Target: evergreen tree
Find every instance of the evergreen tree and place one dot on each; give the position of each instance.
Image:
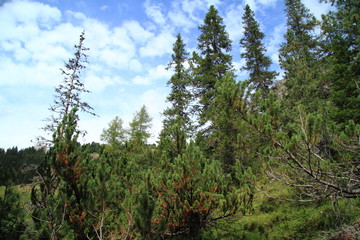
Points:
(213, 62)
(177, 122)
(49, 210)
(342, 45)
(180, 96)
(300, 60)
(59, 208)
(12, 220)
(295, 153)
(257, 64)
(223, 140)
(192, 192)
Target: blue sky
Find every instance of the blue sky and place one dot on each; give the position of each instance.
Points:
(130, 45)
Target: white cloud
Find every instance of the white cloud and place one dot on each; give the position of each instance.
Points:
(154, 12)
(141, 80)
(135, 65)
(27, 13)
(155, 102)
(40, 74)
(267, 2)
(276, 38)
(317, 8)
(104, 7)
(153, 74)
(97, 84)
(158, 45)
(192, 8)
(179, 19)
(233, 22)
(137, 32)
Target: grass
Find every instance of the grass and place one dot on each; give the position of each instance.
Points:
(276, 219)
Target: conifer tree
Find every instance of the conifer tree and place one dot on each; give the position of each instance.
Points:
(114, 135)
(59, 209)
(257, 64)
(12, 220)
(342, 45)
(225, 122)
(295, 154)
(68, 93)
(180, 96)
(192, 192)
(300, 61)
(177, 122)
(49, 210)
(140, 126)
(212, 62)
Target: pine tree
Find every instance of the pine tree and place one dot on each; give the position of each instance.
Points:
(12, 220)
(300, 59)
(342, 45)
(225, 122)
(295, 151)
(192, 192)
(257, 64)
(213, 62)
(59, 211)
(49, 209)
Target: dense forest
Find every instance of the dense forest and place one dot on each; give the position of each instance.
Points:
(268, 157)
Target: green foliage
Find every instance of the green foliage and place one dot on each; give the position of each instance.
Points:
(301, 61)
(180, 95)
(18, 166)
(139, 127)
(193, 192)
(342, 43)
(115, 135)
(213, 62)
(256, 62)
(12, 214)
(266, 164)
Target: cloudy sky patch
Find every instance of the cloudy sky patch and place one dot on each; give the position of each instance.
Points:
(130, 46)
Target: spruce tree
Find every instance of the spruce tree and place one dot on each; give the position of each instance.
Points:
(257, 64)
(212, 62)
(300, 59)
(342, 45)
(177, 122)
(225, 122)
(68, 93)
(180, 96)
